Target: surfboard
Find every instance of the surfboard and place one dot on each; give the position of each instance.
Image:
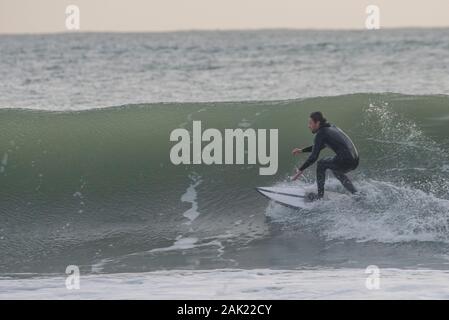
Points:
(293, 197)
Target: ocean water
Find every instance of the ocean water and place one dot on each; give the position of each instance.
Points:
(87, 180)
(233, 284)
(82, 71)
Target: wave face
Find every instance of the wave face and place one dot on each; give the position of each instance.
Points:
(97, 189)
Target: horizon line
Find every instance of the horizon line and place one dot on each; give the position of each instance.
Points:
(218, 30)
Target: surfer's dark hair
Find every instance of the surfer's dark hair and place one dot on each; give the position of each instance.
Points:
(318, 116)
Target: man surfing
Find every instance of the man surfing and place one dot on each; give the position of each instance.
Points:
(346, 156)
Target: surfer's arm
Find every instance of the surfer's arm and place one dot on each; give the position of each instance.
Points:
(318, 145)
(308, 149)
(298, 151)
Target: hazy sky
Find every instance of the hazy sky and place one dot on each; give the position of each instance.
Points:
(37, 16)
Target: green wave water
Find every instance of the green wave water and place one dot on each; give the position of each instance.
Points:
(97, 187)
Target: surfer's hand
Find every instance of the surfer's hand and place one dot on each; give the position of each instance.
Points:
(297, 174)
(296, 151)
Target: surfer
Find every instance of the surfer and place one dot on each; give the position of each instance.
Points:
(345, 160)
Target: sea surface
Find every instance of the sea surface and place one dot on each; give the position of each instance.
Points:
(86, 178)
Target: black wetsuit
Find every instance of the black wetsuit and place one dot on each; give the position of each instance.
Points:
(346, 158)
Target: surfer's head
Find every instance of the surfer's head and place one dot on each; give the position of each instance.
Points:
(316, 120)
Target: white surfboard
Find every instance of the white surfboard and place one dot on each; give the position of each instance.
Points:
(293, 197)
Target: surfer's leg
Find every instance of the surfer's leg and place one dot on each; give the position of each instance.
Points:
(339, 169)
(343, 178)
(321, 167)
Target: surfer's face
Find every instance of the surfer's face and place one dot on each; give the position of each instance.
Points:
(313, 126)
